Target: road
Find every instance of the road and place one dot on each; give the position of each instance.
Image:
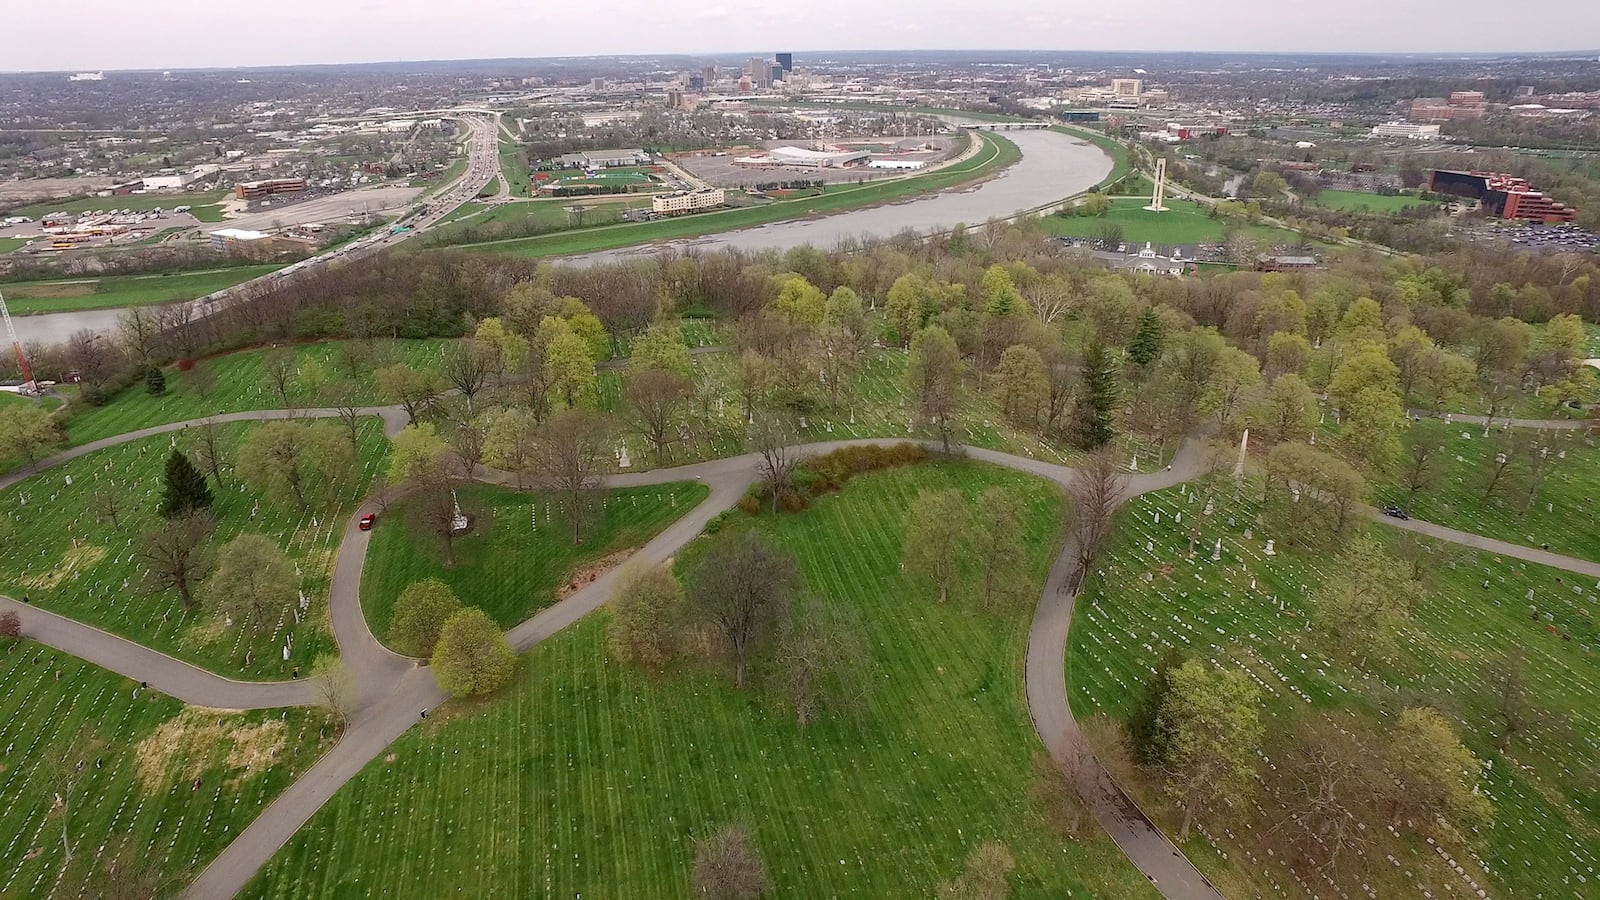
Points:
(394, 690)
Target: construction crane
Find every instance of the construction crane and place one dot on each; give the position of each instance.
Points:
(29, 387)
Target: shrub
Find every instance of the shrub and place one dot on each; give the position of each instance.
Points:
(10, 625)
(185, 364)
(751, 502)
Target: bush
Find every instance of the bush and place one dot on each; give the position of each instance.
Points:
(719, 520)
(185, 364)
(10, 625)
(832, 471)
(751, 502)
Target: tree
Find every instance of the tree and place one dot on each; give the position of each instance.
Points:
(1330, 781)
(335, 686)
(510, 440)
(823, 654)
(1310, 496)
(1213, 720)
(174, 555)
(472, 656)
(420, 457)
(1024, 387)
(933, 374)
(467, 366)
(1420, 470)
(1287, 353)
(1092, 426)
(278, 370)
(656, 399)
(999, 295)
(254, 583)
(740, 588)
(27, 430)
(1434, 776)
(799, 301)
(1147, 339)
(10, 625)
(184, 489)
(155, 381)
(645, 606)
(419, 615)
(1288, 411)
(62, 777)
(211, 450)
(840, 358)
(661, 348)
(292, 459)
(467, 439)
(1372, 421)
(727, 866)
(937, 539)
(573, 451)
(756, 378)
(845, 310)
(1366, 601)
(1149, 737)
(1097, 488)
(201, 379)
(774, 438)
(414, 389)
(417, 452)
(568, 363)
(984, 877)
(997, 544)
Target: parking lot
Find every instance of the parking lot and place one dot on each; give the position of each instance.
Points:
(720, 170)
(1539, 238)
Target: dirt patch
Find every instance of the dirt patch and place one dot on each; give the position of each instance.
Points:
(73, 563)
(587, 575)
(184, 747)
(52, 291)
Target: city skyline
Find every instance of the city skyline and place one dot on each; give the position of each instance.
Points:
(192, 34)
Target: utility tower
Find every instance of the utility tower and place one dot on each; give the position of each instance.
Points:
(1157, 199)
(29, 387)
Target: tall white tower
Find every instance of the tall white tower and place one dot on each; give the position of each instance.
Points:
(1157, 199)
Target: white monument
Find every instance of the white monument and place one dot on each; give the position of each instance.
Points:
(1159, 196)
(1244, 446)
(458, 522)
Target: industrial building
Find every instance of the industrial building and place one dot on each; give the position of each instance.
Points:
(602, 159)
(1459, 105)
(1501, 195)
(256, 190)
(802, 158)
(1406, 130)
(677, 204)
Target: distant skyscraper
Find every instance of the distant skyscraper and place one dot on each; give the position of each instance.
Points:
(760, 76)
(710, 73)
(786, 60)
(774, 74)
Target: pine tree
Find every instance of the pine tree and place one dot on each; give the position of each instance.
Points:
(186, 488)
(1146, 345)
(1096, 401)
(155, 381)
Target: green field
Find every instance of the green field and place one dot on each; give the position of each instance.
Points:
(1561, 515)
(613, 178)
(520, 550)
(112, 291)
(204, 203)
(72, 564)
(514, 166)
(445, 177)
(1354, 201)
(1184, 222)
(1250, 610)
(997, 154)
(541, 213)
(9, 244)
(589, 778)
(162, 784)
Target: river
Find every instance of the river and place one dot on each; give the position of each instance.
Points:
(1053, 166)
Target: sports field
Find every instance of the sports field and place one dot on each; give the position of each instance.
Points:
(113, 291)
(1184, 222)
(1361, 201)
(590, 778)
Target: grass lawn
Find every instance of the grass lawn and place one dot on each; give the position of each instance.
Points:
(514, 166)
(550, 213)
(29, 297)
(1250, 610)
(9, 244)
(141, 757)
(589, 778)
(1184, 222)
(1353, 201)
(1563, 510)
(203, 203)
(445, 176)
(72, 564)
(996, 154)
(241, 385)
(520, 551)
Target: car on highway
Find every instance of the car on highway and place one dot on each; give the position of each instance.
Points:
(367, 521)
(1395, 512)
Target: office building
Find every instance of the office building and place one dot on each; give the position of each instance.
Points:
(711, 75)
(1406, 130)
(1501, 195)
(1127, 88)
(256, 190)
(786, 62)
(682, 202)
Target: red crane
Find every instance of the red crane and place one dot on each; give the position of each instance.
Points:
(29, 387)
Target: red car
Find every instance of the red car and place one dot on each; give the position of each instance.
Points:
(368, 520)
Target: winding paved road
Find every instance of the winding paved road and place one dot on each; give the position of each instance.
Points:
(394, 690)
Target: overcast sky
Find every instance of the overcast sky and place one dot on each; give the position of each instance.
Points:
(120, 34)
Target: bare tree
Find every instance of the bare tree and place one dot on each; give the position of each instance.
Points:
(64, 776)
(773, 437)
(1328, 791)
(335, 686)
(1096, 490)
(174, 556)
(467, 366)
(277, 370)
(468, 438)
(140, 330)
(824, 658)
(210, 450)
(727, 865)
(740, 587)
(573, 451)
(1420, 470)
(656, 399)
(110, 502)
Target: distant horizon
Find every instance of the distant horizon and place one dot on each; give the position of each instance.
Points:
(114, 35)
(1575, 54)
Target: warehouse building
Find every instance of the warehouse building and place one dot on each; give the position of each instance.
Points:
(802, 158)
(602, 159)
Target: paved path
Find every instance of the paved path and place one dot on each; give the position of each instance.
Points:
(394, 689)
(1506, 422)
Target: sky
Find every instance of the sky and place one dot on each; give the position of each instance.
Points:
(171, 34)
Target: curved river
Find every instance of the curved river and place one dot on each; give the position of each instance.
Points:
(1053, 166)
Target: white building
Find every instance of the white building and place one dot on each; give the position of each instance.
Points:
(224, 237)
(688, 201)
(903, 164)
(168, 182)
(802, 158)
(603, 159)
(1406, 130)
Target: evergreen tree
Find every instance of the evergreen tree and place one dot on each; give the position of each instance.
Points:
(1144, 723)
(1146, 345)
(155, 381)
(1096, 401)
(185, 487)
